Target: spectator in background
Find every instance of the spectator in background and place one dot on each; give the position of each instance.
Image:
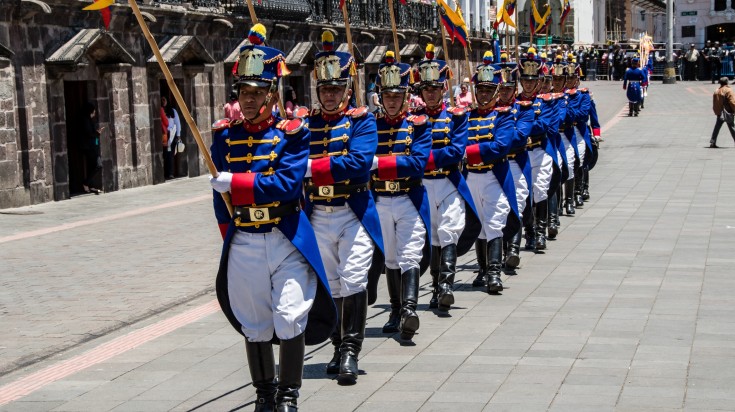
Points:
(373, 100)
(174, 134)
(291, 104)
(691, 59)
(232, 108)
(723, 104)
(464, 98)
(91, 148)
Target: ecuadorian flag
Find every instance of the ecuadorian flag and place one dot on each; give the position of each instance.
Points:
(453, 22)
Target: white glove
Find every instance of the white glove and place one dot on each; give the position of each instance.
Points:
(375, 163)
(222, 182)
(308, 169)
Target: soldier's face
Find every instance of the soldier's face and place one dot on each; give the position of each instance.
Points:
(507, 94)
(330, 96)
(558, 83)
(393, 102)
(545, 86)
(485, 95)
(529, 86)
(432, 96)
(251, 99)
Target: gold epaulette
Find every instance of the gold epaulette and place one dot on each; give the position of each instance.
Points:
(457, 111)
(220, 124)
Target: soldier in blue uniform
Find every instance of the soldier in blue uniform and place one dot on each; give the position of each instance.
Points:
(632, 80)
(586, 126)
(518, 162)
(490, 132)
(579, 133)
(447, 191)
(404, 145)
(533, 120)
(271, 283)
(571, 142)
(340, 206)
(556, 130)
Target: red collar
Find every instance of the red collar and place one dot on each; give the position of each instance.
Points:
(485, 112)
(335, 116)
(257, 127)
(434, 112)
(395, 120)
(528, 99)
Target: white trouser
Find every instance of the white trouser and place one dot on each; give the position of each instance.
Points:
(570, 155)
(581, 146)
(346, 249)
(403, 232)
(270, 284)
(521, 186)
(447, 211)
(541, 169)
(491, 203)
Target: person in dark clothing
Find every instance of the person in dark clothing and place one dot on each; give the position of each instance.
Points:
(91, 148)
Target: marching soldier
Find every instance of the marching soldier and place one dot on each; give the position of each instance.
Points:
(569, 135)
(533, 120)
(446, 188)
(490, 132)
(580, 137)
(341, 208)
(404, 145)
(553, 141)
(563, 149)
(632, 80)
(271, 282)
(518, 162)
(587, 114)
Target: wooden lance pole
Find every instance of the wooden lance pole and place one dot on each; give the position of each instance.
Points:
(251, 9)
(395, 32)
(350, 47)
(203, 149)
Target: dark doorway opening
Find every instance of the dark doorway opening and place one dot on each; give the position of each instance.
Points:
(179, 164)
(76, 95)
(723, 33)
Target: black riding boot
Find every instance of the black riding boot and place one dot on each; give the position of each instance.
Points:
(630, 109)
(528, 231)
(586, 185)
(494, 255)
(262, 365)
(553, 215)
(290, 371)
(481, 252)
(435, 269)
(393, 278)
(354, 315)
(569, 197)
(541, 209)
(446, 278)
(512, 258)
(410, 298)
(333, 365)
(578, 184)
(636, 109)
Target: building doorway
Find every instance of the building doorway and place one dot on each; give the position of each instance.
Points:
(178, 161)
(723, 33)
(76, 95)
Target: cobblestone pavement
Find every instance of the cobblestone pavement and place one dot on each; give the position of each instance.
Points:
(107, 300)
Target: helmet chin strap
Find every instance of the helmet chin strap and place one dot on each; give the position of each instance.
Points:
(493, 100)
(343, 103)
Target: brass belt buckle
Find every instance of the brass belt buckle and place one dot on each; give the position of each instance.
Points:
(326, 191)
(259, 214)
(392, 186)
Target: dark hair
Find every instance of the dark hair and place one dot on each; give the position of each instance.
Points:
(89, 108)
(169, 110)
(724, 81)
(233, 95)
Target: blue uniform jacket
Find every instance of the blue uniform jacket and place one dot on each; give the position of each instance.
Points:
(489, 139)
(449, 139)
(268, 162)
(342, 148)
(573, 112)
(404, 147)
(562, 103)
(527, 124)
(585, 114)
(634, 76)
